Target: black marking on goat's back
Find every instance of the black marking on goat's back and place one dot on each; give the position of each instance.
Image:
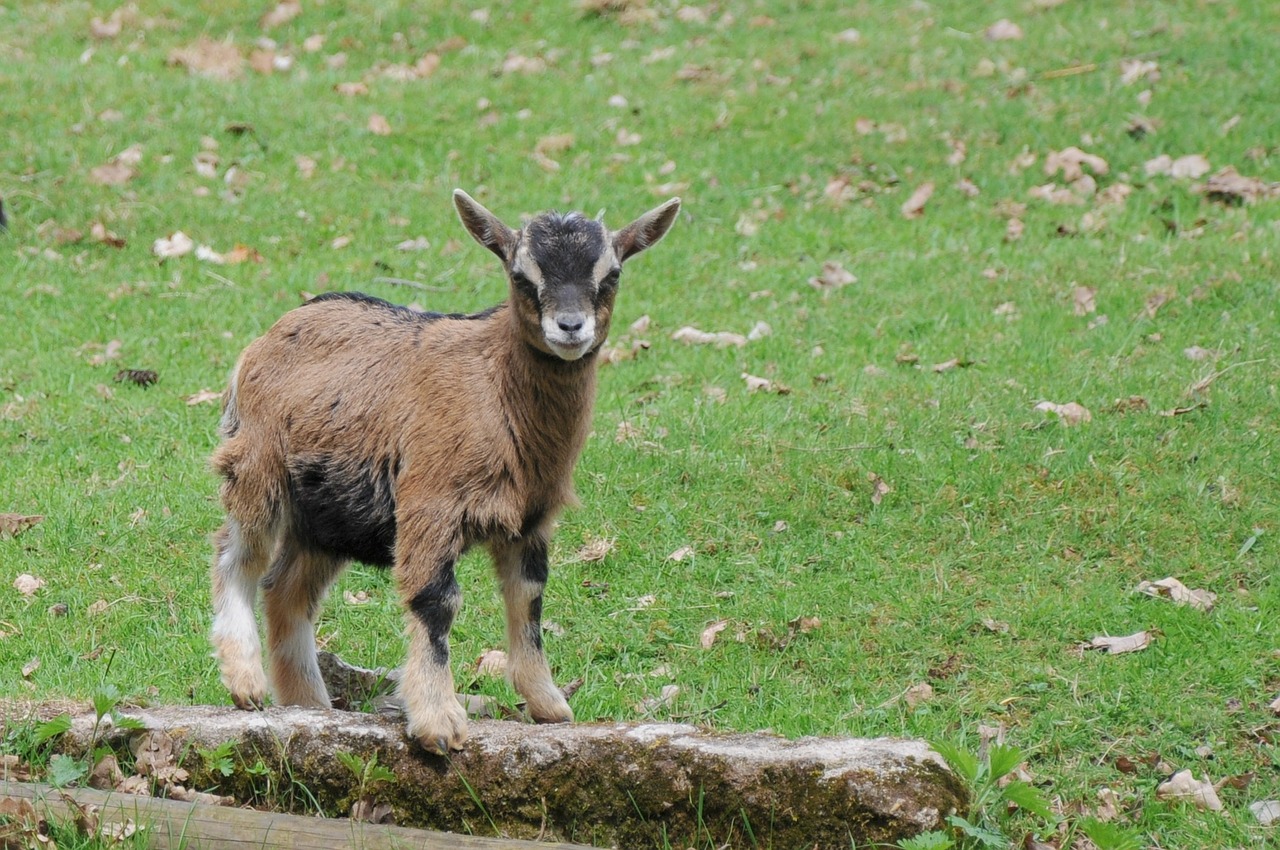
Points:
(435, 606)
(345, 509)
(565, 247)
(533, 563)
(398, 311)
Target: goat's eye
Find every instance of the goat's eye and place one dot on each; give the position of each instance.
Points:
(610, 280)
(523, 283)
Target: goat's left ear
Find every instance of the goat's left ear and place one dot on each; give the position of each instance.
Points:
(645, 231)
(486, 227)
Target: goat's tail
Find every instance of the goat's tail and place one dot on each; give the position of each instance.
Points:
(252, 470)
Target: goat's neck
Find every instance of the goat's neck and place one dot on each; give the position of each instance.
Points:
(549, 400)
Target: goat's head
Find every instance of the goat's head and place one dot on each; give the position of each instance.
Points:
(564, 269)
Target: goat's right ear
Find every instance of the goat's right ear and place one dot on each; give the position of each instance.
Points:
(486, 227)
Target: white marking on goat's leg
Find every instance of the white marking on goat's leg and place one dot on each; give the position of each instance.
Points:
(522, 570)
(292, 592)
(239, 561)
(434, 715)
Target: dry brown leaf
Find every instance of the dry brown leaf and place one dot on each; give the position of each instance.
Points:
(26, 584)
(595, 550)
(833, 276)
(1083, 300)
(1172, 589)
(651, 704)
(30, 667)
(1184, 786)
(11, 525)
(709, 633)
(98, 231)
(1119, 645)
(280, 14)
(917, 694)
(378, 125)
(1013, 230)
(359, 597)
(692, 336)
(879, 488)
(220, 60)
(681, 554)
(913, 207)
(492, 662)
(1199, 353)
(1138, 70)
(1266, 812)
(757, 384)
(176, 244)
(1072, 161)
(1070, 413)
(1003, 30)
(1228, 186)
(351, 89)
(306, 166)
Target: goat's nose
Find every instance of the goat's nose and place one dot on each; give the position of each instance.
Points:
(571, 323)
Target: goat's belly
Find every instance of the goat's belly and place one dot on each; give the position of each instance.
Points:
(343, 508)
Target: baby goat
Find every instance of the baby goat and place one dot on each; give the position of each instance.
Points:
(358, 430)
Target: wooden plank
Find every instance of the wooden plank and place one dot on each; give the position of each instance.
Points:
(172, 825)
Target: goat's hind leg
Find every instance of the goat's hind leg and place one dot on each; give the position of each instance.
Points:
(292, 591)
(522, 570)
(239, 560)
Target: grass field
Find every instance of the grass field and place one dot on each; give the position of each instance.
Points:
(902, 515)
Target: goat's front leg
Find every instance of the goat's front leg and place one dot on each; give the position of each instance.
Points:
(522, 570)
(424, 568)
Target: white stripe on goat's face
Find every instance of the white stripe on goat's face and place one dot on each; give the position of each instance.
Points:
(565, 269)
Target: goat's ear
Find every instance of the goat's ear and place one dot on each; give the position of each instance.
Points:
(646, 230)
(486, 227)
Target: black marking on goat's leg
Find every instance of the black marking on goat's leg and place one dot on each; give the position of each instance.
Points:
(435, 606)
(533, 563)
(534, 626)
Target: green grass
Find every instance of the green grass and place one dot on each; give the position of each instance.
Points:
(996, 515)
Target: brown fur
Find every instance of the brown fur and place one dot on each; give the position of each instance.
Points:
(467, 429)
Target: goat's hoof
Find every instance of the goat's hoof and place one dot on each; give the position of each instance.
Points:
(251, 702)
(445, 731)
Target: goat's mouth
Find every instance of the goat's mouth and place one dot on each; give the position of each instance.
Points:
(569, 348)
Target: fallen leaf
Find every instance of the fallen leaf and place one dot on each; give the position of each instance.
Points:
(27, 584)
(953, 363)
(1070, 413)
(1182, 411)
(351, 89)
(1189, 167)
(1275, 706)
(1003, 30)
(595, 550)
(281, 13)
(1072, 161)
(359, 597)
(804, 625)
(913, 207)
(1013, 230)
(1172, 589)
(492, 662)
(141, 377)
(680, 554)
(709, 633)
(1184, 786)
(1267, 812)
(1134, 70)
(378, 125)
(219, 60)
(917, 694)
(176, 244)
(1083, 300)
(1119, 645)
(692, 336)
(100, 234)
(833, 276)
(879, 489)
(1198, 353)
(756, 384)
(11, 525)
(1108, 806)
(1228, 186)
(30, 667)
(651, 704)
(340, 242)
